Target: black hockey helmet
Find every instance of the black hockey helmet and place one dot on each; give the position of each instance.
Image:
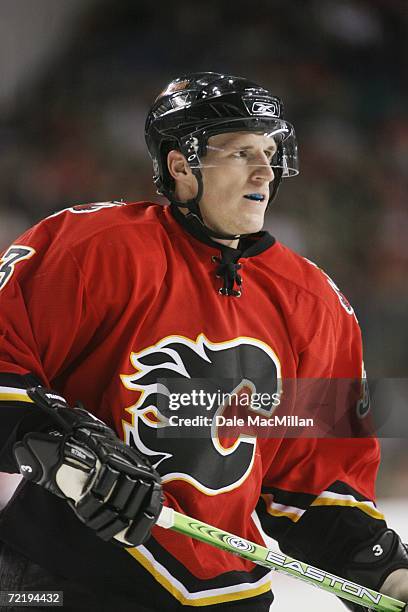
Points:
(194, 107)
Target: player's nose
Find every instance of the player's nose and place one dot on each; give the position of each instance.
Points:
(263, 171)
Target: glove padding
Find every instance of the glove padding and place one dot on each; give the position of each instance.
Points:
(109, 485)
(375, 561)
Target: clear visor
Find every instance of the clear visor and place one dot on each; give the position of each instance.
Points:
(276, 148)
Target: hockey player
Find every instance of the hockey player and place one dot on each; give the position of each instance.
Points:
(128, 306)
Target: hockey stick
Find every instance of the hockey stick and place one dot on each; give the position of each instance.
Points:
(261, 555)
(170, 519)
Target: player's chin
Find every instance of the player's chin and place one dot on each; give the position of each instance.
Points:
(252, 221)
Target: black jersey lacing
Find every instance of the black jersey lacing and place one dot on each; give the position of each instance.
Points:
(228, 265)
(228, 271)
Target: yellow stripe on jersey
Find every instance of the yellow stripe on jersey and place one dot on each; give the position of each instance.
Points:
(363, 506)
(201, 601)
(274, 509)
(14, 395)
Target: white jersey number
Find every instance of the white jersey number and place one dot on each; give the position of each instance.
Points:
(11, 257)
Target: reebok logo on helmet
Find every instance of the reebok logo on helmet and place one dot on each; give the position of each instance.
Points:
(264, 108)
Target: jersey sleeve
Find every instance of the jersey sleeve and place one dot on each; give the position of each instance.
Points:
(325, 485)
(46, 321)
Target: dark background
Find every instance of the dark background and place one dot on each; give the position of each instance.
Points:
(78, 76)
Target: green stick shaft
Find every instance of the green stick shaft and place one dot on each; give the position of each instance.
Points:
(170, 519)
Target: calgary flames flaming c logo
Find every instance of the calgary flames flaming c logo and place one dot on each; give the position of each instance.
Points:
(177, 367)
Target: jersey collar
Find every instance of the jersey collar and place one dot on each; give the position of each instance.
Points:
(251, 245)
(228, 266)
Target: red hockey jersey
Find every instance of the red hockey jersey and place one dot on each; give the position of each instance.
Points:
(117, 305)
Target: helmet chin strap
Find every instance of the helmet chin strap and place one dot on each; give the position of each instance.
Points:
(194, 215)
(197, 220)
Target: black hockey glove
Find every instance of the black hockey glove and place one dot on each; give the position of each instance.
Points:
(373, 562)
(110, 486)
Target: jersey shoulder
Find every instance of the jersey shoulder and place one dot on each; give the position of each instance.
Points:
(309, 277)
(107, 220)
(99, 223)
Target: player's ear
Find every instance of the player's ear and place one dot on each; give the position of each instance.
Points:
(177, 165)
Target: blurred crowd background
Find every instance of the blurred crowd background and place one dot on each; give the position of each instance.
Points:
(77, 79)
